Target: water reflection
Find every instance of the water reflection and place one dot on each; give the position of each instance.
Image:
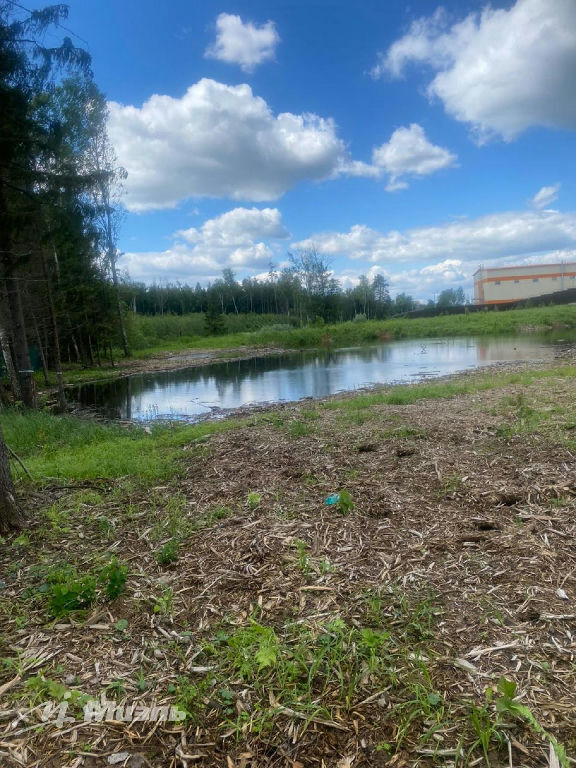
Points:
(193, 392)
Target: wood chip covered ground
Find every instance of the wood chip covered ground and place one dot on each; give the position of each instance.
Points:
(428, 618)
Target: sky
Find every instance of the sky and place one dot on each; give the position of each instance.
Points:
(410, 139)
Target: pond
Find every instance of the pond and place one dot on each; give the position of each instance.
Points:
(209, 390)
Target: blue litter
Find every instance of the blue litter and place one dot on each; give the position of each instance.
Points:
(334, 498)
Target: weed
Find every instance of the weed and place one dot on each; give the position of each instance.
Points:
(299, 429)
(43, 688)
(116, 688)
(345, 505)
(189, 696)
(105, 525)
(141, 683)
(68, 591)
(326, 567)
(303, 549)
(449, 486)
(485, 730)
(163, 603)
(253, 500)
(168, 554)
(253, 649)
(506, 703)
(114, 576)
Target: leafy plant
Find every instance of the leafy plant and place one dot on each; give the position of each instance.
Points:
(302, 548)
(114, 576)
(345, 504)
(168, 554)
(253, 500)
(253, 649)
(68, 591)
(506, 703)
(163, 603)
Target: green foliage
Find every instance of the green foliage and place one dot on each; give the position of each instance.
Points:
(80, 449)
(506, 703)
(43, 688)
(345, 504)
(303, 550)
(163, 603)
(298, 428)
(253, 649)
(350, 333)
(114, 576)
(253, 500)
(69, 591)
(168, 553)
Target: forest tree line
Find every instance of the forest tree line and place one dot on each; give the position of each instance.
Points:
(59, 204)
(59, 214)
(304, 292)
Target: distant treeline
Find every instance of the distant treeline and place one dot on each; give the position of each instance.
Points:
(305, 291)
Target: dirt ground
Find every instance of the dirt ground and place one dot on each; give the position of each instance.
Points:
(457, 544)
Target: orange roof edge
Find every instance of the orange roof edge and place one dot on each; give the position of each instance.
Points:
(528, 266)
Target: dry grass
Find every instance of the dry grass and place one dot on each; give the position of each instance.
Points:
(458, 557)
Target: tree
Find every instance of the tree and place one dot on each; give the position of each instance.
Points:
(451, 297)
(26, 67)
(10, 513)
(214, 319)
(381, 292)
(403, 303)
(314, 274)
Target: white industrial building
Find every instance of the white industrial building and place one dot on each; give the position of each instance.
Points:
(500, 285)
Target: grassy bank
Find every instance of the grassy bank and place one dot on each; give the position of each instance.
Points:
(343, 334)
(200, 568)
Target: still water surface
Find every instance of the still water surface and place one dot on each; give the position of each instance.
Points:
(193, 393)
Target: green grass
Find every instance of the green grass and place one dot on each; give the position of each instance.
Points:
(70, 448)
(407, 395)
(182, 333)
(147, 331)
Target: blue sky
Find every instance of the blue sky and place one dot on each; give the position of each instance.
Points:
(404, 138)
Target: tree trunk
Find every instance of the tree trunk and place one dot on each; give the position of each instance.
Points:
(122, 325)
(10, 513)
(55, 335)
(41, 350)
(20, 341)
(9, 361)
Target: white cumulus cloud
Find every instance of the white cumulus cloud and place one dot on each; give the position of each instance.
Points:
(494, 237)
(500, 70)
(409, 153)
(221, 141)
(243, 43)
(238, 239)
(545, 196)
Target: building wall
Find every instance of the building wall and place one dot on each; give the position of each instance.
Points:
(504, 284)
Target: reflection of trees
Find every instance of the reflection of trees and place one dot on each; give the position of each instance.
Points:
(285, 377)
